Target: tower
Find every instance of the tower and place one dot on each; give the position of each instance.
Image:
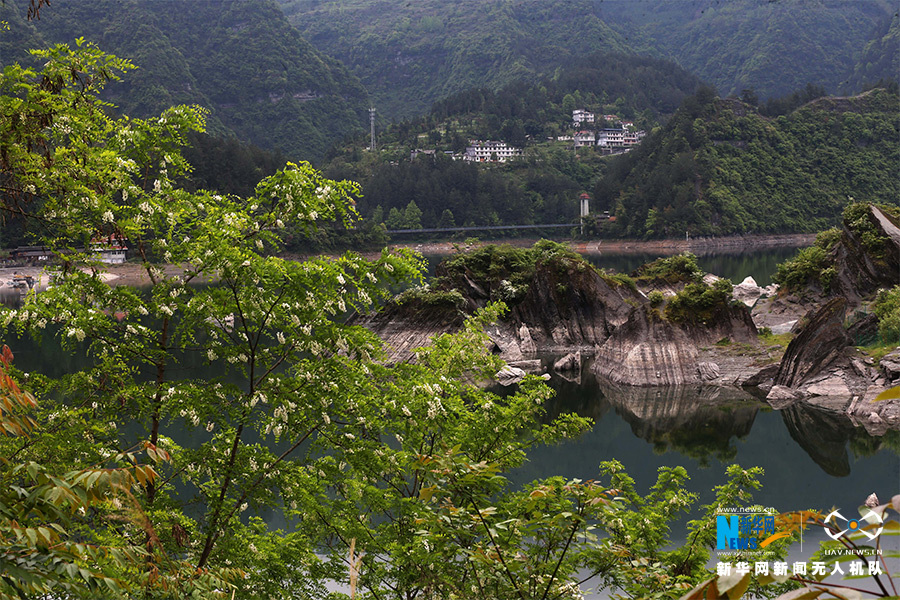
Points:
(585, 208)
(372, 128)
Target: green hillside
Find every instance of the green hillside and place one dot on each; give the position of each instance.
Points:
(880, 58)
(774, 47)
(542, 186)
(410, 54)
(719, 167)
(240, 59)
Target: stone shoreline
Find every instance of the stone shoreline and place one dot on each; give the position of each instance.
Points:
(726, 245)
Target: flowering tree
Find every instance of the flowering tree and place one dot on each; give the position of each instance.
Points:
(300, 417)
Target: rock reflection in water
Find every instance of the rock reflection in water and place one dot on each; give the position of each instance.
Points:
(829, 437)
(696, 421)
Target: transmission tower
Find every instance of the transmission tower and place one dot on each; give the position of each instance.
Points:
(372, 129)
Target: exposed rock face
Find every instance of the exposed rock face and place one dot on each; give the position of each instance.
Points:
(877, 415)
(890, 366)
(648, 350)
(567, 307)
(509, 375)
(780, 396)
(821, 342)
(859, 274)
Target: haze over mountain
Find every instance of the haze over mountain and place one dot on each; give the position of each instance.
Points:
(241, 59)
(772, 46)
(410, 54)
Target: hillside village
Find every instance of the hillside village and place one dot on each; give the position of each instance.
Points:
(608, 134)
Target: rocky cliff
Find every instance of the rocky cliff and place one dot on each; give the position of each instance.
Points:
(868, 255)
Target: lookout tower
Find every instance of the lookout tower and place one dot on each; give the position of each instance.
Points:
(585, 201)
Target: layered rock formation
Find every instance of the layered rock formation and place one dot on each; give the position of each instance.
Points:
(699, 335)
(648, 350)
(862, 269)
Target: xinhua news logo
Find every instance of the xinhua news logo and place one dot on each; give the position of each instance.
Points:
(746, 531)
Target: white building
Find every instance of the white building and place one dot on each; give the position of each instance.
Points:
(109, 249)
(489, 151)
(611, 138)
(580, 116)
(585, 138)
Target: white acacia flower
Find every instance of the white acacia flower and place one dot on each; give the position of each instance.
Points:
(211, 354)
(108, 217)
(210, 426)
(280, 337)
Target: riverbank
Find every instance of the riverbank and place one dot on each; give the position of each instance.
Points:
(735, 244)
(134, 274)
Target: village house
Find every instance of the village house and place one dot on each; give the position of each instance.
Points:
(489, 151)
(109, 249)
(580, 116)
(585, 138)
(611, 138)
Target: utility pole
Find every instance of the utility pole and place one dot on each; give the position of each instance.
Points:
(372, 129)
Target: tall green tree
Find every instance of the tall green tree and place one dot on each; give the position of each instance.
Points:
(295, 415)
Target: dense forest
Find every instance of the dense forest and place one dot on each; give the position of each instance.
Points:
(410, 55)
(542, 186)
(773, 48)
(258, 78)
(719, 167)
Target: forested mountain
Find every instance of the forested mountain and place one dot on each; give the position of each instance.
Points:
(880, 58)
(410, 54)
(541, 187)
(719, 167)
(774, 47)
(241, 59)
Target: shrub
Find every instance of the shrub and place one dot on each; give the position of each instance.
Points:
(656, 298)
(620, 279)
(857, 218)
(698, 302)
(827, 239)
(673, 269)
(806, 267)
(431, 297)
(887, 308)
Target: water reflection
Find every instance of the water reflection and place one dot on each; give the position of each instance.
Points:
(696, 421)
(710, 425)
